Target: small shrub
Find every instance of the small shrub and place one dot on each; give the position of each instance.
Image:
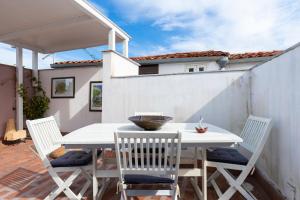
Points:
(36, 106)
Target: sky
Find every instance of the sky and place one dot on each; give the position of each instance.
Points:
(168, 26)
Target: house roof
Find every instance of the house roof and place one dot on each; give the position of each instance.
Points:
(211, 53)
(182, 55)
(258, 54)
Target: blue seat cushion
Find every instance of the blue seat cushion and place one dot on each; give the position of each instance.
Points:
(146, 179)
(231, 156)
(72, 159)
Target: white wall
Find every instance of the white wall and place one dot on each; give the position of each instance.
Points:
(238, 66)
(180, 67)
(276, 94)
(72, 113)
(222, 98)
(170, 68)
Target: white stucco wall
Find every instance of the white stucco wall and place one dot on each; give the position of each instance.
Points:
(72, 113)
(275, 94)
(180, 67)
(238, 66)
(222, 98)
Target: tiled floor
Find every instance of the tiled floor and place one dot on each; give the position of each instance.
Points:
(22, 176)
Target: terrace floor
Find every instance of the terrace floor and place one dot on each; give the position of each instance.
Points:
(22, 176)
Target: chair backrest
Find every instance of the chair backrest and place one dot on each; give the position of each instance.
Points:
(149, 113)
(45, 133)
(255, 133)
(148, 153)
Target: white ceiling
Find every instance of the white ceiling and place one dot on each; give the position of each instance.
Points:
(51, 26)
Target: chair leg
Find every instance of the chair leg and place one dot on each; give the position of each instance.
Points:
(228, 194)
(175, 192)
(214, 175)
(235, 185)
(63, 186)
(123, 195)
(247, 194)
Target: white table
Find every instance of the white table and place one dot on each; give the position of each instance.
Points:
(101, 135)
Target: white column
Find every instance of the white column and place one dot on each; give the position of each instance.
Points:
(125, 48)
(35, 64)
(19, 100)
(112, 40)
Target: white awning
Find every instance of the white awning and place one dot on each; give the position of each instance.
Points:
(49, 26)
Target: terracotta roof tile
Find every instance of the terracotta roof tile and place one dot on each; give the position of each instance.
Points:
(187, 55)
(182, 55)
(254, 54)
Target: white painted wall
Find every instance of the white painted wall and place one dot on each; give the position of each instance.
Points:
(119, 65)
(170, 68)
(238, 66)
(180, 67)
(73, 113)
(275, 94)
(222, 98)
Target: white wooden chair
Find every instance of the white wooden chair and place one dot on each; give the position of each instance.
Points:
(45, 133)
(254, 135)
(148, 158)
(149, 113)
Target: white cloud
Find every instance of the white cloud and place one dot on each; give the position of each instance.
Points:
(231, 25)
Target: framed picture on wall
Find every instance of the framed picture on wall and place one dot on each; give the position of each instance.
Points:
(63, 87)
(96, 96)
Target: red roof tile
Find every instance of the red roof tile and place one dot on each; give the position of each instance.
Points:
(187, 55)
(254, 54)
(182, 55)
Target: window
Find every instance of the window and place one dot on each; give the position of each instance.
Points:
(148, 69)
(196, 67)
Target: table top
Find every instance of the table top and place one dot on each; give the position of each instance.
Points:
(102, 135)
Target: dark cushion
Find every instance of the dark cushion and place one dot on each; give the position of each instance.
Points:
(231, 156)
(72, 159)
(145, 179)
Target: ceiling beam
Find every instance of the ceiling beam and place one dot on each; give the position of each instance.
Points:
(64, 23)
(25, 46)
(90, 10)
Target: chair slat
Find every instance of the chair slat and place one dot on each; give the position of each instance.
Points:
(142, 152)
(135, 153)
(129, 153)
(159, 153)
(124, 153)
(148, 153)
(166, 155)
(153, 154)
(172, 153)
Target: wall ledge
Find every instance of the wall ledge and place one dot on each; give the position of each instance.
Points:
(185, 73)
(119, 54)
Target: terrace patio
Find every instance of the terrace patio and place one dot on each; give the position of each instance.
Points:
(224, 97)
(23, 176)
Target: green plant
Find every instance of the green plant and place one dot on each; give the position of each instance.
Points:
(34, 107)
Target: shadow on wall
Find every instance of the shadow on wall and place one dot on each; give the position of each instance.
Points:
(8, 93)
(229, 109)
(221, 98)
(72, 113)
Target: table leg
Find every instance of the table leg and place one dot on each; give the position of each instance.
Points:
(95, 181)
(204, 174)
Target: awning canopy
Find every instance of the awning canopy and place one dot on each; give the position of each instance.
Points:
(49, 26)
